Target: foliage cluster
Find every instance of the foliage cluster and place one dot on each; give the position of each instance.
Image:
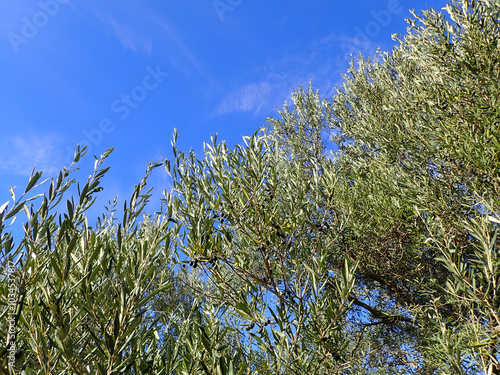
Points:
(350, 236)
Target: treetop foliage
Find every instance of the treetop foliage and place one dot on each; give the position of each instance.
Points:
(352, 235)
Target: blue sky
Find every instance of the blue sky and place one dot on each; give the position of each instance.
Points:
(125, 73)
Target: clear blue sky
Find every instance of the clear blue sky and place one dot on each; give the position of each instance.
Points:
(125, 73)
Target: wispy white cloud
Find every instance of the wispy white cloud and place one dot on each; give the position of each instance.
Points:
(347, 45)
(20, 153)
(322, 65)
(122, 22)
(131, 39)
(167, 29)
(137, 25)
(251, 97)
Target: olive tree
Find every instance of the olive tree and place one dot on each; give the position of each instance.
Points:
(418, 132)
(382, 256)
(351, 235)
(99, 299)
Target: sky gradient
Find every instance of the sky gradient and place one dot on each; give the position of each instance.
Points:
(125, 73)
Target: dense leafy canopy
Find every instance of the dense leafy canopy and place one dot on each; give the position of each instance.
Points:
(353, 235)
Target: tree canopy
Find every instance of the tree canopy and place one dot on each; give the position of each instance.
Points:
(352, 235)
